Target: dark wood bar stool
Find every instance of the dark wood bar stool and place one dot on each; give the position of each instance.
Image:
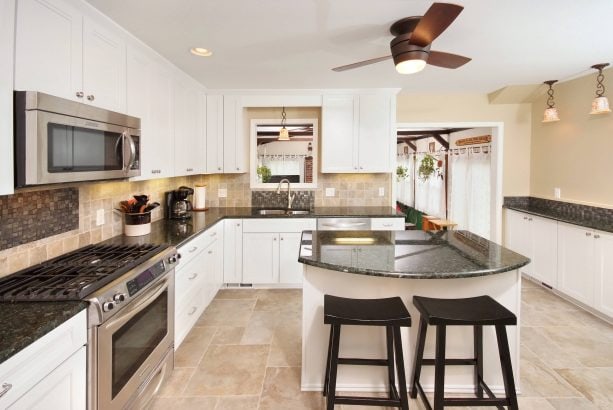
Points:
(389, 312)
(477, 312)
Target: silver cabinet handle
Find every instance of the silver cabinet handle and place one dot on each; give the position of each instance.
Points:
(213, 234)
(361, 167)
(388, 225)
(530, 219)
(5, 388)
(355, 167)
(189, 169)
(238, 169)
(218, 168)
(80, 94)
(210, 252)
(191, 312)
(238, 225)
(588, 234)
(91, 97)
(596, 236)
(525, 218)
(194, 276)
(192, 250)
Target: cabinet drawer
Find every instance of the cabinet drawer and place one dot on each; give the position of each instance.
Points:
(387, 224)
(192, 248)
(189, 276)
(187, 312)
(32, 364)
(278, 225)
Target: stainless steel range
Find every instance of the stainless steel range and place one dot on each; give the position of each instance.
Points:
(130, 290)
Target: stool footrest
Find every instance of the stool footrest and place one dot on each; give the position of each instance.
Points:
(467, 401)
(366, 401)
(451, 362)
(362, 362)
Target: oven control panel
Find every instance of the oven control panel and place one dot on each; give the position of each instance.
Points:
(145, 277)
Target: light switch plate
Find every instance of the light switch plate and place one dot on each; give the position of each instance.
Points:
(381, 191)
(222, 192)
(557, 193)
(100, 217)
(330, 191)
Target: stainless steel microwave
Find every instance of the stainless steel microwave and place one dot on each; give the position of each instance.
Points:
(58, 140)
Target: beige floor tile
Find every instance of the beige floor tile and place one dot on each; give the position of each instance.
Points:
(230, 370)
(260, 328)
(286, 347)
(546, 349)
(238, 403)
(186, 403)
(175, 385)
(595, 384)
(237, 294)
(544, 300)
(538, 380)
(533, 403)
(223, 312)
(586, 346)
(193, 347)
(228, 335)
(280, 300)
(282, 391)
(572, 404)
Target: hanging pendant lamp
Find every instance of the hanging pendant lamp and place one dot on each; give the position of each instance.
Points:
(600, 105)
(551, 112)
(283, 132)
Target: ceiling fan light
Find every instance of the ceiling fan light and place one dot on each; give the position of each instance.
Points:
(283, 134)
(410, 66)
(551, 115)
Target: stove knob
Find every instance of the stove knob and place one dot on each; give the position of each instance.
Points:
(119, 297)
(108, 306)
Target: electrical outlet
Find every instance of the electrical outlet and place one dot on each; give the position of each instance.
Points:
(100, 217)
(381, 191)
(222, 192)
(330, 191)
(557, 193)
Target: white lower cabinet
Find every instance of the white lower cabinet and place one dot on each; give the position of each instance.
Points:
(233, 251)
(603, 257)
(576, 262)
(290, 270)
(260, 257)
(50, 373)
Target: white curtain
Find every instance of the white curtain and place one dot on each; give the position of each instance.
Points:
(285, 165)
(404, 187)
(430, 194)
(469, 189)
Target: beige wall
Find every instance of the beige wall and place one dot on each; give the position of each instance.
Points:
(575, 153)
(414, 108)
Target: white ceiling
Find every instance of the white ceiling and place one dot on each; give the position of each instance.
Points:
(294, 43)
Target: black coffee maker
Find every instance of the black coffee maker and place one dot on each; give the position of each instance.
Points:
(177, 204)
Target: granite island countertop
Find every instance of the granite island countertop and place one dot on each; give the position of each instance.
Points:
(408, 254)
(25, 322)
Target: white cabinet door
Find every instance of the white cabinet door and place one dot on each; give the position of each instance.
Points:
(188, 137)
(603, 243)
(518, 236)
(290, 270)
(233, 251)
(48, 48)
(576, 262)
(234, 143)
(260, 258)
(63, 388)
(375, 134)
(214, 134)
(104, 67)
(7, 48)
(339, 130)
(544, 234)
(159, 159)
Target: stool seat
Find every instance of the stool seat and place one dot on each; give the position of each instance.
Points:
(365, 312)
(480, 310)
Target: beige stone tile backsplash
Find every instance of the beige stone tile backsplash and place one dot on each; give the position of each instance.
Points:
(351, 190)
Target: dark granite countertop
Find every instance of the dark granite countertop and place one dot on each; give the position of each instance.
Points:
(408, 254)
(25, 322)
(587, 219)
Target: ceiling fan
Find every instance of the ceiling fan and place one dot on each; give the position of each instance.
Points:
(413, 37)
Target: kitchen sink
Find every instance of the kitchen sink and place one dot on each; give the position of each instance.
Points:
(283, 212)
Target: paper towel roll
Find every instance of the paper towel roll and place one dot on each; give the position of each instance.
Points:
(199, 197)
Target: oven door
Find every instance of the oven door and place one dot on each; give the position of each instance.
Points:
(61, 148)
(133, 343)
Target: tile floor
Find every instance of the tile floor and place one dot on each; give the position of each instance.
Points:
(244, 353)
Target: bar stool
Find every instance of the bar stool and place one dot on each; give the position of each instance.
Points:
(389, 312)
(477, 312)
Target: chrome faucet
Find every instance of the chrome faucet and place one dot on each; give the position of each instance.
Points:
(290, 197)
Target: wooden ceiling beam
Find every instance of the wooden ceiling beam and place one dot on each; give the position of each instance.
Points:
(441, 140)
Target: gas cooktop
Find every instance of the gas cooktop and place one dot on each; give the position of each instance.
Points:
(75, 275)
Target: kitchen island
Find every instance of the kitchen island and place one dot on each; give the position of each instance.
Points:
(374, 264)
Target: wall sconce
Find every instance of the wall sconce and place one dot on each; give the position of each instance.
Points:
(600, 105)
(551, 112)
(283, 132)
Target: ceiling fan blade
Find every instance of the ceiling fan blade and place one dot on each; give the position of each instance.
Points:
(360, 64)
(446, 60)
(438, 17)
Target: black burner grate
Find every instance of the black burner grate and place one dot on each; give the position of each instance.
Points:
(76, 274)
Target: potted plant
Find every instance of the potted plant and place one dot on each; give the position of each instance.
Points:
(264, 173)
(426, 167)
(402, 173)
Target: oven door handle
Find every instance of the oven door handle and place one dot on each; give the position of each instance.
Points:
(129, 313)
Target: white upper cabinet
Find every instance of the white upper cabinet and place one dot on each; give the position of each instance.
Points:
(188, 135)
(357, 133)
(214, 134)
(234, 143)
(104, 63)
(7, 48)
(48, 48)
(61, 52)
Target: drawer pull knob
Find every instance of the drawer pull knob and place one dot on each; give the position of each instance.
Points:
(191, 312)
(588, 234)
(194, 276)
(596, 236)
(192, 250)
(210, 252)
(5, 388)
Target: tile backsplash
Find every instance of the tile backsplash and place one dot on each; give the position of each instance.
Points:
(272, 199)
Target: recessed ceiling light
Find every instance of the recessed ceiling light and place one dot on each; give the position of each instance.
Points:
(202, 52)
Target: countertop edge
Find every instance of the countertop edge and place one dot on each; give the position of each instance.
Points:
(559, 218)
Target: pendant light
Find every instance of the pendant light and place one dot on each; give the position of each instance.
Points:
(600, 105)
(283, 132)
(551, 112)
